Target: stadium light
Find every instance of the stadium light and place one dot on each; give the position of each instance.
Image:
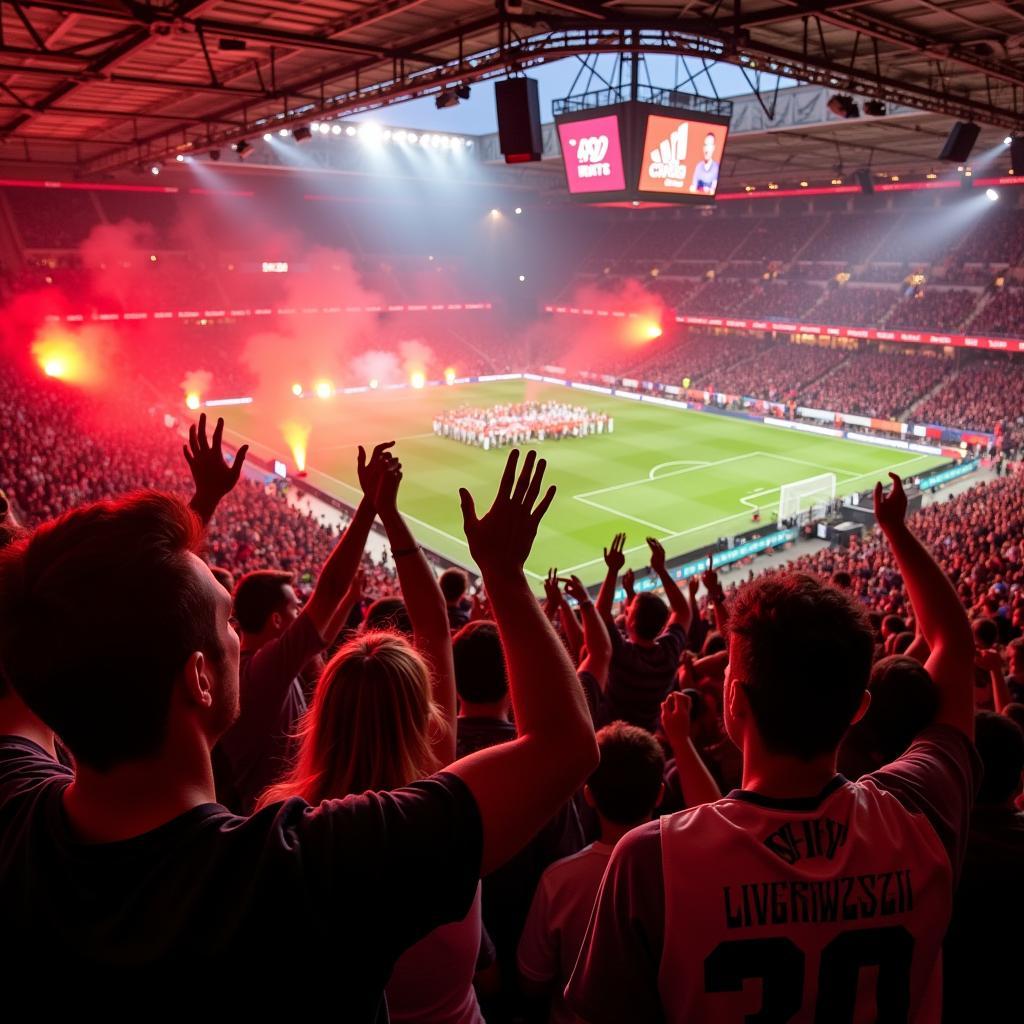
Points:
(843, 106)
(519, 210)
(323, 389)
(418, 379)
(991, 195)
(180, 158)
(267, 136)
(336, 129)
(449, 376)
(297, 390)
(154, 169)
(192, 400)
(374, 383)
(284, 133)
(350, 130)
(1007, 140)
(522, 278)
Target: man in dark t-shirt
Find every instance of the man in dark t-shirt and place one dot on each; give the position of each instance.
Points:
(981, 962)
(644, 663)
(128, 869)
(354, 881)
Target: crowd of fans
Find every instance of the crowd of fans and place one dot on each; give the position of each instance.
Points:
(778, 373)
(444, 803)
(933, 309)
(985, 395)
(1002, 314)
(45, 425)
(878, 384)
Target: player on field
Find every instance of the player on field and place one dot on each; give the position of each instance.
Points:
(802, 896)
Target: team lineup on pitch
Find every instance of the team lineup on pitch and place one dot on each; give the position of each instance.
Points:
(706, 475)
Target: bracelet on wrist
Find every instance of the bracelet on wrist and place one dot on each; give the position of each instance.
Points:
(405, 552)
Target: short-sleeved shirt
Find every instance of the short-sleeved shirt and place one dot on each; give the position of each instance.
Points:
(508, 890)
(255, 751)
(819, 898)
(557, 922)
(641, 677)
(981, 957)
(331, 894)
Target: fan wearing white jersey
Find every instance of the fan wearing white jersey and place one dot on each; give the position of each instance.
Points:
(802, 896)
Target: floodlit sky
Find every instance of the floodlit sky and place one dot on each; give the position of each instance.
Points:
(476, 115)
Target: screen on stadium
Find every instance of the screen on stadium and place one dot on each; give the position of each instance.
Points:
(592, 151)
(681, 156)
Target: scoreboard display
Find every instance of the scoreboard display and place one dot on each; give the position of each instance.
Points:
(632, 153)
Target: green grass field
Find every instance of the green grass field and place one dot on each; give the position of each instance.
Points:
(684, 477)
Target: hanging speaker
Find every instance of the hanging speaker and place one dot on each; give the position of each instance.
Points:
(962, 138)
(863, 178)
(518, 104)
(1017, 154)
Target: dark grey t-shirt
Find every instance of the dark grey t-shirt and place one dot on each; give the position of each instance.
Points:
(321, 899)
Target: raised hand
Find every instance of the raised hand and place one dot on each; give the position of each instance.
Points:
(657, 555)
(891, 509)
(575, 589)
(710, 580)
(990, 660)
(552, 593)
(693, 585)
(501, 540)
(613, 556)
(212, 476)
(675, 719)
(628, 582)
(372, 472)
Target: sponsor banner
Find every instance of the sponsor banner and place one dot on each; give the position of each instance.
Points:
(502, 376)
(775, 539)
(882, 442)
(592, 153)
(945, 475)
(889, 426)
(924, 449)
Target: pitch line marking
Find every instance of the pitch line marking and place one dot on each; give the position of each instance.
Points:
(665, 476)
(653, 474)
(623, 515)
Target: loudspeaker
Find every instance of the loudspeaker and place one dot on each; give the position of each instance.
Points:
(961, 141)
(1017, 154)
(863, 178)
(518, 104)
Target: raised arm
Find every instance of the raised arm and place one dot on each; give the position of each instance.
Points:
(676, 600)
(937, 608)
(342, 564)
(991, 661)
(614, 560)
(716, 595)
(698, 785)
(423, 600)
(520, 785)
(212, 476)
(598, 643)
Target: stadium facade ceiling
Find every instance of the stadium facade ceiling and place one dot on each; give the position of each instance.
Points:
(101, 85)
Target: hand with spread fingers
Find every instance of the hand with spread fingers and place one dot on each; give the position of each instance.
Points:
(213, 477)
(501, 540)
(614, 557)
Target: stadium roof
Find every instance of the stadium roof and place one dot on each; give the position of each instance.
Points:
(105, 84)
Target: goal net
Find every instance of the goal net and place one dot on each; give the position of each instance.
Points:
(811, 495)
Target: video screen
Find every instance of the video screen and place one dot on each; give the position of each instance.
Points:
(592, 151)
(681, 156)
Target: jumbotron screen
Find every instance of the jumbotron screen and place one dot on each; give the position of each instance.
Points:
(642, 154)
(592, 150)
(681, 155)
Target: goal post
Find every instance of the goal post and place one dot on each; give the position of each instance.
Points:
(809, 495)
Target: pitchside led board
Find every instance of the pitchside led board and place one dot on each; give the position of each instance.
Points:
(641, 153)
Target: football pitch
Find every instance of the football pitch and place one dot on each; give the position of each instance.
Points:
(682, 476)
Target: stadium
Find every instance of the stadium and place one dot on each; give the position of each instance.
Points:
(724, 267)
